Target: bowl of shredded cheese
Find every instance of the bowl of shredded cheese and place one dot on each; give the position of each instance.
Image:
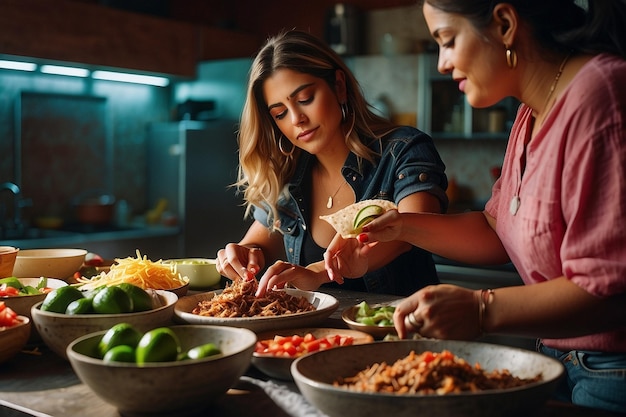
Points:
(139, 271)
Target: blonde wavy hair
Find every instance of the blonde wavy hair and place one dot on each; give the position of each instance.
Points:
(264, 171)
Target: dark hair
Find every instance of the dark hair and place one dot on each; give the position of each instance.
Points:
(590, 26)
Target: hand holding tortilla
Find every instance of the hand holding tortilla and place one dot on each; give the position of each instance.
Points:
(349, 221)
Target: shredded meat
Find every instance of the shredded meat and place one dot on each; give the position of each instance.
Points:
(430, 373)
(238, 300)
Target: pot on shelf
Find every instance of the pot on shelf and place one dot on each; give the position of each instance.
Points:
(96, 210)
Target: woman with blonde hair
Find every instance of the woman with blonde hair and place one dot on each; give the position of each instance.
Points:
(309, 145)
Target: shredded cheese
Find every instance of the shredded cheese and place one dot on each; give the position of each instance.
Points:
(139, 271)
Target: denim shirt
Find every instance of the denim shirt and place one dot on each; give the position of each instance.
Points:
(408, 163)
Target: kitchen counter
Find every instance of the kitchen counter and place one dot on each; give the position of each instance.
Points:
(155, 241)
(40, 383)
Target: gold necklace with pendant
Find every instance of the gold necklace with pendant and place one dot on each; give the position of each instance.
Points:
(329, 203)
(516, 201)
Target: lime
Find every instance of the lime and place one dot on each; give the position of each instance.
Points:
(142, 301)
(202, 351)
(80, 306)
(158, 345)
(120, 353)
(58, 299)
(112, 300)
(366, 215)
(120, 334)
(92, 293)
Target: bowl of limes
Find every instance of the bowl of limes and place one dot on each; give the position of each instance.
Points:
(170, 370)
(67, 313)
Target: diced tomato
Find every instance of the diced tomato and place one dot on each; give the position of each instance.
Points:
(428, 356)
(312, 346)
(297, 345)
(8, 317)
(8, 291)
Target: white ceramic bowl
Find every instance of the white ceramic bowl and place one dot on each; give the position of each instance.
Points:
(59, 330)
(167, 388)
(14, 338)
(22, 304)
(325, 305)
(280, 366)
(314, 375)
(201, 272)
(54, 263)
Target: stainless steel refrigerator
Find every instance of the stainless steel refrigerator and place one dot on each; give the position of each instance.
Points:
(192, 164)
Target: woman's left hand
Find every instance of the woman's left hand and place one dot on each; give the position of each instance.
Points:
(346, 258)
(440, 311)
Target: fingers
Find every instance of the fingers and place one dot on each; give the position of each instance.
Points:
(276, 276)
(239, 262)
(406, 317)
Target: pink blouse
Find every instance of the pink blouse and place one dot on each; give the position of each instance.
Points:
(571, 219)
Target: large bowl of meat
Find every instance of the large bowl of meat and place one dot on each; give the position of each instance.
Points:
(427, 377)
(236, 305)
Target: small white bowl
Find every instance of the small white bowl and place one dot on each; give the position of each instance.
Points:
(201, 272)
(53, 263)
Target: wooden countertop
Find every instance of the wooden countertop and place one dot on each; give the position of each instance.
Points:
(40, 383)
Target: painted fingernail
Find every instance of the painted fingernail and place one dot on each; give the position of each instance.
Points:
(362, 238)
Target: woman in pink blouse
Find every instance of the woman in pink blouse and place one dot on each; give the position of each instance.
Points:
(558, 211)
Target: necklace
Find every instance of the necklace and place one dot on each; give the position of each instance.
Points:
(329, 203)
(515, 201)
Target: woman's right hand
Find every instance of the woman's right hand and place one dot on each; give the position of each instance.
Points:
(240, 262)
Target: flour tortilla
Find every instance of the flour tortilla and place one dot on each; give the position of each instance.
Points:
(343, 220)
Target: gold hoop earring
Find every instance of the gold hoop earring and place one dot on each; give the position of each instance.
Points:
(344, 112)
(511, 57)
(280, 148)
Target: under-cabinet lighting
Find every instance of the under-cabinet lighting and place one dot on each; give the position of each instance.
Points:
(16, 65)
(59, 70)
(131, 78)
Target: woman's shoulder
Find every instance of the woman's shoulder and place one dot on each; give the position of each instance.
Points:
(406, 134)
(600, 74)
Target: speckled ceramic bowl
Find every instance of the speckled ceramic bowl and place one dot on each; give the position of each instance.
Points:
(167, 388)
(59, 330)
(314, 375)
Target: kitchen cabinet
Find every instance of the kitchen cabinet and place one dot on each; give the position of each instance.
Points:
(94, 35)
(443, 110)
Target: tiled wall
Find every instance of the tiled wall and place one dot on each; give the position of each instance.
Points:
(62, 142)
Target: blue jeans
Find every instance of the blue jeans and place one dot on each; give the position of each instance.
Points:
(593, 379)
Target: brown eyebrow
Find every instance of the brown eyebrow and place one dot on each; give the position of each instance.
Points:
(296, 91)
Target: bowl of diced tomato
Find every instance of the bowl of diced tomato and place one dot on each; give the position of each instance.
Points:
(20, 294)
(276, 350)
(14, 332)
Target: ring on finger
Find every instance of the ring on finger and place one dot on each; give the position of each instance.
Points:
(413, 321)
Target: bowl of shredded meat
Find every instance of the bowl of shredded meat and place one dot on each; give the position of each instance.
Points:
(236, 305)
(427, 377)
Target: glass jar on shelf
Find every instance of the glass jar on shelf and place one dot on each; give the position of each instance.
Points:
(443, 110)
